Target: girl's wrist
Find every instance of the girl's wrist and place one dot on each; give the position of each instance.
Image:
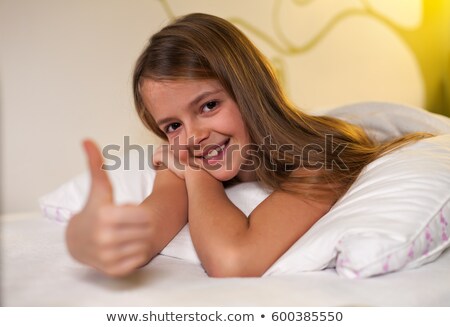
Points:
(192, 172)
(196, 176)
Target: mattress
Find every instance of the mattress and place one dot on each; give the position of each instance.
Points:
(38, 271)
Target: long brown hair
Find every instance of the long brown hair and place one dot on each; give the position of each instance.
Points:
(201, 46)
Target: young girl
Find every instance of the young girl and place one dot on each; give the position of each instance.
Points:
(202, 86)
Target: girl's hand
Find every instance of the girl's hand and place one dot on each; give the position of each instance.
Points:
(110, 238)
(176, 160)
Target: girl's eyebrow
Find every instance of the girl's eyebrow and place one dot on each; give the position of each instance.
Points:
(164, 121)
(203, 95)
(197, 99)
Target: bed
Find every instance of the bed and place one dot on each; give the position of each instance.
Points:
(37, 270)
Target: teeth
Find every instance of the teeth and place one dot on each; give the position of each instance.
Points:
(214, 152)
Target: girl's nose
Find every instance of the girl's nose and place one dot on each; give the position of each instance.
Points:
(196, 134)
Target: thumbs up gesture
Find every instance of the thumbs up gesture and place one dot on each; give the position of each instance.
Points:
(113, 239)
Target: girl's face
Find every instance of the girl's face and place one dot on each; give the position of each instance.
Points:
(200, 116)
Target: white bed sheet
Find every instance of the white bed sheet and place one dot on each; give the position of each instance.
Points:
(37, 271)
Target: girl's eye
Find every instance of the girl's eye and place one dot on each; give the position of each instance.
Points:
(210, 106)
(172, 127)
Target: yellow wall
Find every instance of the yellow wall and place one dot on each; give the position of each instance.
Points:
(447, 74)
(430, 43)
(332, 52)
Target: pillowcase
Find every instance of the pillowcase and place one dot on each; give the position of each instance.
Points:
(395, 216)
(130, 185)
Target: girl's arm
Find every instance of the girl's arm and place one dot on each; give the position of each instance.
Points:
(230, 244)
(167, 208)
(117, 240)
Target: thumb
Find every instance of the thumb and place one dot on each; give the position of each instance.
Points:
(101, 189)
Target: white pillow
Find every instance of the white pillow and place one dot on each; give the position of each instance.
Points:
(130, 185)
(395, 216)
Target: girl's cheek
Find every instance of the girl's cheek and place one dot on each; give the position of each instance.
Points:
(182, 155)
(179, 149)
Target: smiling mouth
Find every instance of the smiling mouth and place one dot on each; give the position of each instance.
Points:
(216, 153)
